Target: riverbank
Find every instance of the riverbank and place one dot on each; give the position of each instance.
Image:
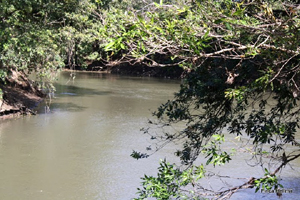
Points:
(20, 95)
(172, 72)
(17, 102)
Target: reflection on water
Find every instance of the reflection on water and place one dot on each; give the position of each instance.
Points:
(80, 149)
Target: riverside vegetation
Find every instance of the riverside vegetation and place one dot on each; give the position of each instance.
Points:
(235, 57)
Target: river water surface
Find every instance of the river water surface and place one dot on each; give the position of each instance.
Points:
(81, 148)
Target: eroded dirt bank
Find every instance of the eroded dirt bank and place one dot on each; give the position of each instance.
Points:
(20, 96)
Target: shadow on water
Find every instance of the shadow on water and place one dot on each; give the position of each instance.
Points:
(62, 107)
(65, 93)
(69, 107)
(290, 191)
(61, 100)
(71, 90)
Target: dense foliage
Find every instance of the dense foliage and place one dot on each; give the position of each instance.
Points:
(241, 62)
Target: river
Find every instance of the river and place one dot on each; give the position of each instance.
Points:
(81, 148)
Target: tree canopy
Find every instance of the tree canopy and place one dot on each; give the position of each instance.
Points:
(242, 62)
(237, 56)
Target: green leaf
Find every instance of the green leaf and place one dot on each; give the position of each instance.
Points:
(238, 13)
(109, 46)
(218, 21)
(228, 26)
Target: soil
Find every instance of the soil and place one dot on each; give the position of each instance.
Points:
(19, 97)
(17, 102)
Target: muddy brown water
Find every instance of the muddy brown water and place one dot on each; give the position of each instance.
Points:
(80, 149)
